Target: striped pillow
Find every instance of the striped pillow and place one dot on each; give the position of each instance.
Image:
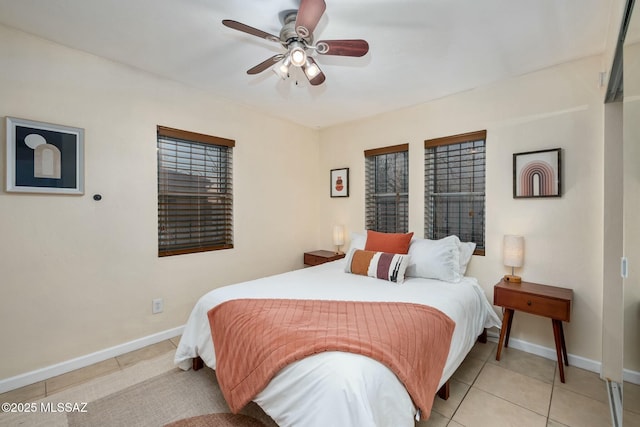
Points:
(380, 265)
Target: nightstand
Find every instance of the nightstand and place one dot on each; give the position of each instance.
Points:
(320, 257)
(543, 300)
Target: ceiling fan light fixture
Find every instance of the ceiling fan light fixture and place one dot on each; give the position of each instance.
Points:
(311, 69)
(297, 54)
(282, 67)
(284, 64)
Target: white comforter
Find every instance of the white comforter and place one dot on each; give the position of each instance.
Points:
(337, 388)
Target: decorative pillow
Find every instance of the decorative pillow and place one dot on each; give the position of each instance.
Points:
(466, 250)
(380, 265)
(435, 259)
(395, 243)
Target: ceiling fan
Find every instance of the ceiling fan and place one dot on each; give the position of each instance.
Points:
(296, 36)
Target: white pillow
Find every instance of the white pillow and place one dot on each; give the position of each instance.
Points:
(466, 250)
(358, 240)
(435, 259)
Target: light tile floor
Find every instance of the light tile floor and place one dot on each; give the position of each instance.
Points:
(523, 389)
(520, 390)
(495, 395)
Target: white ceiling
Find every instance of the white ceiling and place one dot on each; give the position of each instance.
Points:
(420, 50)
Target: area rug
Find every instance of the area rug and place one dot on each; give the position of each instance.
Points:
(218, 420)
(173, 396)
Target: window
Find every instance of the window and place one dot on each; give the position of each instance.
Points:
(454, 170)
(195, 197)
(387, 189)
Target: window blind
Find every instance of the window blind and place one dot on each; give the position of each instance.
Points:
(387, 189)
(455, 188)
(195, 192)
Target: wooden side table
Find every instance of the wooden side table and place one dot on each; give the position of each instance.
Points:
(320, 257)
(542, 300)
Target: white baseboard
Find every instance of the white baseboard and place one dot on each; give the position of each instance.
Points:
(631, 376)
(42, 374)
(550, 353)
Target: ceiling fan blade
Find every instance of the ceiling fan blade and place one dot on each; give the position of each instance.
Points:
(356, 47)
(316, 79)
(265, 64)
(308, 17)
(250, 30)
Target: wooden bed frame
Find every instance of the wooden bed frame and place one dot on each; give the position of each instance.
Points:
(197, 364)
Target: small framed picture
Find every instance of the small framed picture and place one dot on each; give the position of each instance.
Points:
(340, 182)
(44, 158)
(537, 174)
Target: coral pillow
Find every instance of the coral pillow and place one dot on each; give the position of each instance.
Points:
(395, 243)
(380, 265)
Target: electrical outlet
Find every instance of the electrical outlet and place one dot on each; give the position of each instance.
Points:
(157, 305)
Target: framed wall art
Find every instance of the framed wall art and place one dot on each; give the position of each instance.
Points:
(537, 174)
(340, 182)
(44, 158)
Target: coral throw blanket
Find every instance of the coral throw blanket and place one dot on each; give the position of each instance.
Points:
(255, 338)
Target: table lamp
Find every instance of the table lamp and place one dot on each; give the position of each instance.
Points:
(513, 256)
(338, 237)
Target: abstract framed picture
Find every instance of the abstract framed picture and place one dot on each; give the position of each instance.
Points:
(340, 182)
(44, 158)
(537, 174)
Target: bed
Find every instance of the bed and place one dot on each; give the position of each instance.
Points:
(337, 387)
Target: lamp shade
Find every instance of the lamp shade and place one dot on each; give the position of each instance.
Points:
(338, 235)
(282, 67)
(513, 251)
(297, 53)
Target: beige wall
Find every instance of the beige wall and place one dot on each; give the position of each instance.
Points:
(78, 276)
(557, 107)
